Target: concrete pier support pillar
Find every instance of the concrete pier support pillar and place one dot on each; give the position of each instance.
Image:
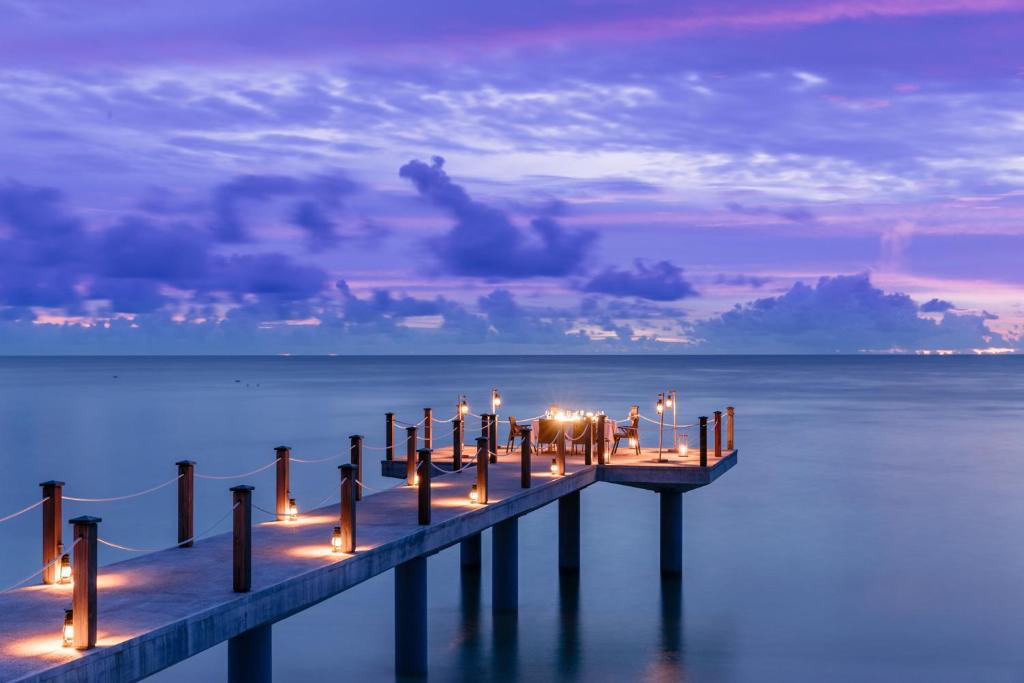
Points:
(472, 553)
(505, 566)
(569, 533)
(411, 618)
(671, 533)
(249, 656)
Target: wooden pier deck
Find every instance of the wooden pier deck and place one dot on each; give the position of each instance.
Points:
(163, 607)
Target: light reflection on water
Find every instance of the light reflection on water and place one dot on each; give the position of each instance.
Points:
(870, 531)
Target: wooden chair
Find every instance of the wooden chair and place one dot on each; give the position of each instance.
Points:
(578, 432)
(547, 434)
(514, 430)
(630, 432)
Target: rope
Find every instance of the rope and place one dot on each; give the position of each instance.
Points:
(409, 424)
(176, 545)
(318, 460)
(436, 436)
(39, 571)
(450, 419)
(24, 510)
(238, 476)
(376, 448)
(644, 417)
(130, 495)
(267, 512)
(366, 486)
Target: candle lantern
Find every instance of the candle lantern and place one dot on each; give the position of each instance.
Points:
(463, 406)
(64, 573)
(336, 540)
(660, 406)
(68, 632)
(293, 510)
(684, 444)
(554, 466)
(474, 495)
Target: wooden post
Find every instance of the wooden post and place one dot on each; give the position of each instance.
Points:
(703, 441)
(424, 490)
(718, 433)
(505, 565)
(600, 440)
(283, 461)
(588, 444)
(250, 656)
(410, 456)
(411, 617)
(53, 496)
(524, 457)
(83, 570)
(349, 496)
(428, 428)
(671, 532)
(241, 529)
(356, 458)
(569, 532)
(186, 502)
(389, 436)
(457, 444)
(492, 444)
(560, 452)
(730, 415)
(481, 470)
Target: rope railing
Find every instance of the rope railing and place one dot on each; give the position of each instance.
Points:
(194, 537)
(238, 476)
(127, 496)
(317, 460)
(264, 511)
(25, 509)
(38, 571)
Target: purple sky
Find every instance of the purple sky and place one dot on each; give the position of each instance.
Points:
(339, 177)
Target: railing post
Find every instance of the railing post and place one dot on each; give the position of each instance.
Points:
(83, 600)
(347, 513)
(560, 451)
(492, 444)
(703, 441)
(53, 496)
(588, 444)
(428, 428)
(730, 415)
(524, 457)
(481, 470)
(389, 436)
(356, 458)
(283, 485)
(457, 444)
(186, 502)
(600, 440)
(241, 529)
(424, 489)
(410, 456)
(718, 433)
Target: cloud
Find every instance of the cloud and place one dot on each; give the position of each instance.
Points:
(797, 214)
(842, 314)
(740, 280)
(936, 306)
(485, 243)
(661, 281)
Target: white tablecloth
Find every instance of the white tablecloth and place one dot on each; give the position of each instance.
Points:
(609, 434)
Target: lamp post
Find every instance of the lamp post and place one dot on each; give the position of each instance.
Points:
(671, 402)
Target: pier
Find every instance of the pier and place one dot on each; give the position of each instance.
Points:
(136, 617)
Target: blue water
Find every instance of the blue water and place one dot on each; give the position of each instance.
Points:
(871, 530)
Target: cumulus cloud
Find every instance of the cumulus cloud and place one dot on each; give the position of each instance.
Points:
(936, 306)
(660, 281)
(484, 242)
(740, 280)
(842, 314)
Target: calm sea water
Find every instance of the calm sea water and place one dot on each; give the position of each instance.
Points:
(872, 529)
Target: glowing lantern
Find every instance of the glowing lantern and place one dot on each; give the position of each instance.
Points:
(683, 445)
(464, 407)
(64, 574)
(632, 442)
(68, 633)
(293, 510)
(554, 466)
(474, 495)
(415, 480)
(668, 401)
(495, 399)
(336, 540)
(660, 407)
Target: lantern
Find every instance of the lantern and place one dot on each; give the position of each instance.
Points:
(64, 573)
(293, 510)
(632, 442)
(474, 495)
(336, 540)
(683, 445)
(68, 632)
(554, 466)
(495, 399)
(415, 479)
(463, 407)
(668, 401)
(660, 407)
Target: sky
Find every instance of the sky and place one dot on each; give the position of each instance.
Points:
(325, 176)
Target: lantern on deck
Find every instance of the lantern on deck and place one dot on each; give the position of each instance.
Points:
(64, 573)
(336, 540)
(474, 494)
(684, 445)
(554, 466)
(632, 442)
(293, 510)
(68, 632)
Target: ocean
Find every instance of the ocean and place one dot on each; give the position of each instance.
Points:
(870, 531)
